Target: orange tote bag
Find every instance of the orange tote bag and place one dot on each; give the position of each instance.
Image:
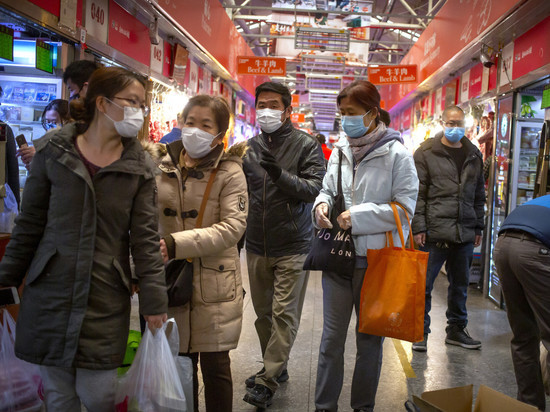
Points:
(394, 288)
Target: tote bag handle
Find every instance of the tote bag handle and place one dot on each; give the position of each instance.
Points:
(389, 236)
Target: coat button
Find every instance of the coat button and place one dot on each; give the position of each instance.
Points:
(221, 267)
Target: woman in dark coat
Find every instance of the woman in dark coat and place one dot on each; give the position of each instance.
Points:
(90, 197)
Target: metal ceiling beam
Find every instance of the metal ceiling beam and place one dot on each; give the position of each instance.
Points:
(410, 9)
(319, 11)
(278, 36)
(372, 24)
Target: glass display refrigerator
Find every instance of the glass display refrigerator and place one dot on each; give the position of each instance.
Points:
(516, 154)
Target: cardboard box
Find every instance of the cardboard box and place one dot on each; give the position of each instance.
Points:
(460, 400)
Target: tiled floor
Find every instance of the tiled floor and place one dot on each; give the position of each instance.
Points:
(441, 367)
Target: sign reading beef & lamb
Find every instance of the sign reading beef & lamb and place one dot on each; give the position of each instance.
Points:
(265, 66)
(393, 74)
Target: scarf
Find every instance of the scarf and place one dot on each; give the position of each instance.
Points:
(362, 145)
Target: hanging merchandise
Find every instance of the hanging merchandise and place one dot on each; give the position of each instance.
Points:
(166, 104)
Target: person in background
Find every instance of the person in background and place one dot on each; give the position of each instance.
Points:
(89, 199)
(376, 170)
(448, 221)
(56, 114)
(323, 142)
(522, 258)
(12, 167)
(284, 168)
(385, 117)
(175, 133)
(76, 77)
(210, 324)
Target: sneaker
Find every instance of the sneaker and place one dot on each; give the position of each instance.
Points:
(459, 336)
(260, 396)
(251, 380)
(421, 346)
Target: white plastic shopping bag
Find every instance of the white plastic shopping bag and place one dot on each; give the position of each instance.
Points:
(20, 383)
(152, 383)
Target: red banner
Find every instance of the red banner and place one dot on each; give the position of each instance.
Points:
(128, 34)
(295, 100)
(476, 79)
(406, 118)
(51, 6)
(393, 74)
(455, 27)
(266, 66)
(167, 60)
(532, 49)
(205, 21)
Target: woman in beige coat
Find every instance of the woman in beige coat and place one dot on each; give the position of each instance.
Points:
(210, 324)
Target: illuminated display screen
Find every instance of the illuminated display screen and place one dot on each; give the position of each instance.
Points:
(44, 56)
(6, 43)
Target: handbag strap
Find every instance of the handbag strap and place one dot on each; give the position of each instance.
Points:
(340, 192)
(389, 236)
(205, 197)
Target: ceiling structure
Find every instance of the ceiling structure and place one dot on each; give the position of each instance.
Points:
(329, 43)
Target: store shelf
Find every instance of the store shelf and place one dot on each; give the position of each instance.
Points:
(10, 102)
(526, 187)
(528, 170)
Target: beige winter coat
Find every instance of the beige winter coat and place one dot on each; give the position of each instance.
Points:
(212, 321)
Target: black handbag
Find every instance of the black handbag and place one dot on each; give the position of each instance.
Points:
(179, 272)
(333, 249)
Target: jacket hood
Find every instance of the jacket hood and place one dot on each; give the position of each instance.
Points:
(159, 151)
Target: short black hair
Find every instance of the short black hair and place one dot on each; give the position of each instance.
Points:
(276, 88)
(451, 109)
(385, 117)
(79, 72)
(321, 138)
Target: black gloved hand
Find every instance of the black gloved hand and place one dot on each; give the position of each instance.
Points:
(269, 163)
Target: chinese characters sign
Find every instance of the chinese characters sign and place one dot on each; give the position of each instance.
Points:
(44, 56)
(393, 74)
(6, 43)
(265, 66)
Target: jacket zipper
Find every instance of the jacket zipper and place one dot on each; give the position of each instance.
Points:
(263, 217)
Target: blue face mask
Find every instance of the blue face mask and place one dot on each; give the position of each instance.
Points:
(454, 134)
(354, 127)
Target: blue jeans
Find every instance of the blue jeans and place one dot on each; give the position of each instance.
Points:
(459, 259)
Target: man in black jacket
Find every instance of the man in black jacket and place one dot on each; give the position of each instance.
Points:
(448, 220)
(284, 168)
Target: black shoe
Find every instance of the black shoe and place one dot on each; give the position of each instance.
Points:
(421, 346)
(260, 396)
(459, 336)
(251, 380)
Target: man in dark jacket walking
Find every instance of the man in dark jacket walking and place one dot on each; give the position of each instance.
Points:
(448, 220)
(284, 168)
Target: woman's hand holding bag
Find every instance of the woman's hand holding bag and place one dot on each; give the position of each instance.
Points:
(152, 384)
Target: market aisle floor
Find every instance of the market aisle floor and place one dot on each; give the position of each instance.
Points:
(443, 366)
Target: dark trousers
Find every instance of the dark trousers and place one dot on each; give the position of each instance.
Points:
(216, 376)
(523, 266)
(459, 259)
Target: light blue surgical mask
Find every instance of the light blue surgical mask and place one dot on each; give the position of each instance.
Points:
(354, 127)
(454, 134)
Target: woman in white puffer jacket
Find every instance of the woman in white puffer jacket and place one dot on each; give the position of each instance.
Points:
(376, 170)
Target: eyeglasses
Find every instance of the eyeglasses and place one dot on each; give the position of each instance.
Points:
(136, 103)
(454, 123)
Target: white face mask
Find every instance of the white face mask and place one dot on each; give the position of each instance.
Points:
(269, 119)
(132, 122)
(197, 142)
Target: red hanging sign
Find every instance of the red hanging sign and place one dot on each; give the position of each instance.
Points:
(128, 34)
(392, 74)
(295, 100)
(264, 66)
(476, 81)
(297, 117)
(532, 49)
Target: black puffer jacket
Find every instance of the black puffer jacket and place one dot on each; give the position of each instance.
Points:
(449, 207)
(279, 216)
